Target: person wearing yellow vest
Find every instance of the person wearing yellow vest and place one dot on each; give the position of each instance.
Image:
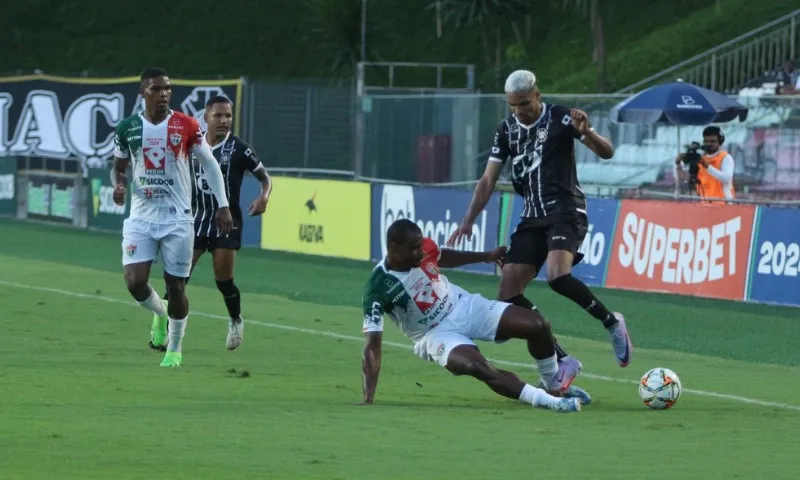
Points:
(715, 177)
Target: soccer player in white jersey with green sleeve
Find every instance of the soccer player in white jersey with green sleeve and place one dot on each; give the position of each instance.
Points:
(443, 320)
(157, 144)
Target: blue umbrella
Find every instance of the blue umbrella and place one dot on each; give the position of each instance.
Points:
(678, 103)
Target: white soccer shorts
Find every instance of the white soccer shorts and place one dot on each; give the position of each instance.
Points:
(473, 318)
(142, 241)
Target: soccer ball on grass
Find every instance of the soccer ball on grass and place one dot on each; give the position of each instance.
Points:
(660, 388)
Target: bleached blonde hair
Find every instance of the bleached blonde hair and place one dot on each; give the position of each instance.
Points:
(521, 81)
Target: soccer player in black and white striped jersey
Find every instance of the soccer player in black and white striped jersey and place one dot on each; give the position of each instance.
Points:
(539, 139)
(235, 157)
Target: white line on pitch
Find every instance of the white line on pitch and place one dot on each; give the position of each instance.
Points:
(323, 333)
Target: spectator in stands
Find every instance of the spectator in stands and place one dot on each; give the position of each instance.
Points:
(715, 172)
(788, 79)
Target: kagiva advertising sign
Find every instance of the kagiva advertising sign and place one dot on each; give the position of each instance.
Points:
(60, 117)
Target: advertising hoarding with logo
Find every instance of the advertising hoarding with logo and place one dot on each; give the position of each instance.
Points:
(318, 217)
(775, 259)
(699, 250)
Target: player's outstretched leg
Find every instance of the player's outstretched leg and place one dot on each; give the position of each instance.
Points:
(561, 354)
(560, 279)
(178, 316)
(468, 360)
(515, 277)
(523, 323)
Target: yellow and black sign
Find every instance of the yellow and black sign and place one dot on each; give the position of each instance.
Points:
(318, 217)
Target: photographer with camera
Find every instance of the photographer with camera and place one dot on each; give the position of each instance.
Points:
(710, 175)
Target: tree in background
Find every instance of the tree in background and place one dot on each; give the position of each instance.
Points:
(490, 17)
(594, 11)
(334, 28)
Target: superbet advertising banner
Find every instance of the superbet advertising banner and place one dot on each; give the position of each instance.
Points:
(690, 249)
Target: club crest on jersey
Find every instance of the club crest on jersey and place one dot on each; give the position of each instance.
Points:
(439, 350)
(541, 135)
(175, 139)
(225, 159)
(431, 270)
(130, 249)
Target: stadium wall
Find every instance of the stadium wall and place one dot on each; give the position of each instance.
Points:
(734, 252)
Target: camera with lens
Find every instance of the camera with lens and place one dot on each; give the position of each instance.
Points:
(691, 158)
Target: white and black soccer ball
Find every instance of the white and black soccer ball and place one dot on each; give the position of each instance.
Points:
(660, 388)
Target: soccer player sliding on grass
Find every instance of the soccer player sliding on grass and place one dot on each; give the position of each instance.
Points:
(443, 320)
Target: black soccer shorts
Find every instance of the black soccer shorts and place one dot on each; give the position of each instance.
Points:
(232, 241)
(533, 239)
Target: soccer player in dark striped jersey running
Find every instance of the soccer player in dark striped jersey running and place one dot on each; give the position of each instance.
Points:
(539, 139)
(234, 157)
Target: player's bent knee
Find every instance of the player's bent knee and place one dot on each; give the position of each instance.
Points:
(176, 286)
(543, 326)
(537, 325)
(227, 287)
(135, 282)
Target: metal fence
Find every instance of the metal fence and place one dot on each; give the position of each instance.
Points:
(302, 126)
(446, 138)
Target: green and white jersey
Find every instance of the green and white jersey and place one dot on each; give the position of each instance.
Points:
(162, 179)
(416, 301)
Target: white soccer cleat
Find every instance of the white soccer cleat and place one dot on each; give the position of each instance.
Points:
(566, 405)
(235, 333)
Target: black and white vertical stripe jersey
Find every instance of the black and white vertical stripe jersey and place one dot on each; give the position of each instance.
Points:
(234, 157)
(543, 167)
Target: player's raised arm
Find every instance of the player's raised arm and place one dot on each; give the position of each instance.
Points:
(371, 355)
(456, 258)
(597, 143)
